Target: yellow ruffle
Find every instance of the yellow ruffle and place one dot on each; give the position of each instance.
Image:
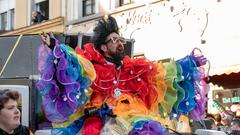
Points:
(88, 68)
(70, 120)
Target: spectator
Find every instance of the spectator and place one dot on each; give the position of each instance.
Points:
(37, 17)
(218, 119)
(10, 114)
(210, 122)
(238, 113)
(226, 120)
(235, 127)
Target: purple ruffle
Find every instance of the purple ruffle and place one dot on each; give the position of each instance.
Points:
(148, 127)
(202, 89)
(62, 85)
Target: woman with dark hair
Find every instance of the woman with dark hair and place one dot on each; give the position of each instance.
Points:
(37, 17)
(10, 114)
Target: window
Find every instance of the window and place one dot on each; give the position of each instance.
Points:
(7, 16)
(12, 20)
(125, 2)
(7, 20)
(43, 7)
(88, 7)
(73, 10)
(81, 10)
(40, 11)
(3, 21)
(119, 3)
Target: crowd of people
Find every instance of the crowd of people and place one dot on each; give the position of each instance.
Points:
(224, 122)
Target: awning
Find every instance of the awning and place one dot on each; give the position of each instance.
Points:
(229, 81)
(228, 69)
(225, 76)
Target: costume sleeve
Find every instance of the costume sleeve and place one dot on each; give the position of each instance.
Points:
(185, 91)
(64, 81)
(194, 86)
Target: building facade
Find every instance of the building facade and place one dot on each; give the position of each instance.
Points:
(16, 16)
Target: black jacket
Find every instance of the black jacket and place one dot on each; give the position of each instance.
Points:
(235, 132)
(20, 130)
(39, 18)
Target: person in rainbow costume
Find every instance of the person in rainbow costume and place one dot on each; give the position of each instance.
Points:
(100, 90)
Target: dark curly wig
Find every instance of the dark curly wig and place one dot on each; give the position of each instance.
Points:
(104, 27)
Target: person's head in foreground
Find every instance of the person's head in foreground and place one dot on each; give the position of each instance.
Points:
(9, 112)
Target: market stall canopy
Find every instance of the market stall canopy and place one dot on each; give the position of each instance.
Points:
(227, 70)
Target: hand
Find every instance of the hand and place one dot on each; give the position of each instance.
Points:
(200, 59)
(46, 38)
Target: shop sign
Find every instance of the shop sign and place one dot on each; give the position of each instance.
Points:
(227, 96)
(231, 100)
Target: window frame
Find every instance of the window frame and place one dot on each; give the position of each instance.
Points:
(72, 18)
(7, 6)
(122, 2)
(44, 12)
(73, 13)
(91, 5)
(3, 25)
(12, 18)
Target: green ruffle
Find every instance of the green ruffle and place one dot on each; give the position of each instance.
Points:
(171, 93)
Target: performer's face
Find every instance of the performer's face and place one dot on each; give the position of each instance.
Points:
(114, 47)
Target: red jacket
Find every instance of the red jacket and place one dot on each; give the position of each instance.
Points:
(134, 77)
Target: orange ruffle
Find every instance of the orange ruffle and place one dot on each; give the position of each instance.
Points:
(128, 105)
(160, 85)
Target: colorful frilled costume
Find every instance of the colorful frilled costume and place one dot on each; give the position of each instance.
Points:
(137, 93)
(84, 93)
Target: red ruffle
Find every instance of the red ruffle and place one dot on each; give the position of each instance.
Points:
(92, 126)
(135, 77)
(90, 53)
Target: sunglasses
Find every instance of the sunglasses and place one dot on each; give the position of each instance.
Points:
(117, 39)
